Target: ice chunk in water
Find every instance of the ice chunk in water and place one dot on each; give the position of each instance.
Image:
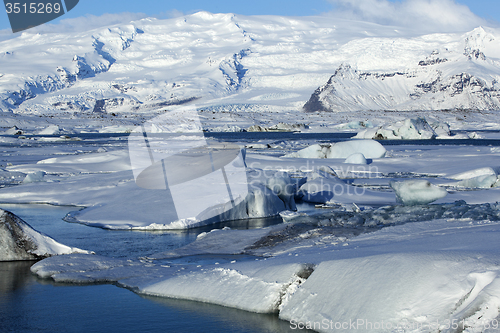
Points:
(18, 241)
(356, 158)
(417, 192)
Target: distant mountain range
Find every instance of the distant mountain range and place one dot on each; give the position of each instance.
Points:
(225, 59)
(458, 76)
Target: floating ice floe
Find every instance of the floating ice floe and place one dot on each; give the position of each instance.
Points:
(478, 178)
(280, 127)
(356, 158)
(34, 177)
(18, 241)
(417, 192)
(410, 129)
(50, 130)
(344, 149)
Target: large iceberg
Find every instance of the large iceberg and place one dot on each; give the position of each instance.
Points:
(19, 241)
(408, 129)
(369, 149)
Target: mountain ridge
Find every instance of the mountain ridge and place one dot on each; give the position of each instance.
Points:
(226, 58)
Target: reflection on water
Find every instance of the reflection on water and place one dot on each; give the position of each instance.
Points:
(233, 319)
(13, 276)
(29, 304)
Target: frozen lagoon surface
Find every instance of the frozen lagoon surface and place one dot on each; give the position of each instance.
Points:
(325, 267)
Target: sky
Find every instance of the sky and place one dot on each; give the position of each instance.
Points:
(438, 15)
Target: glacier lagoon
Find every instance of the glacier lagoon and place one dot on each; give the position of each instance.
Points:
(127, 244)
(428, 274)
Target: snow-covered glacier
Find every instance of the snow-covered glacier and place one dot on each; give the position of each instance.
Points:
(227, 59)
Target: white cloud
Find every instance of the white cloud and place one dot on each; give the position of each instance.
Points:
(423, 15)
(88, 22)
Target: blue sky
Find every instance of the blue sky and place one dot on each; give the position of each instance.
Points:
(361, 9)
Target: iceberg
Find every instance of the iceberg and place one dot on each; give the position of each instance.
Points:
(485, 171)
(344, 149)
(34, 177)
(19, 241)
(50, 130)
(356, 158)
(485, 177)
(484, 181)
(417, 192)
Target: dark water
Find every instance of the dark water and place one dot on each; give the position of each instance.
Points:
(119, 140)
(30, 304)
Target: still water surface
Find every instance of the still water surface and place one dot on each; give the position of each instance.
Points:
(30, 304)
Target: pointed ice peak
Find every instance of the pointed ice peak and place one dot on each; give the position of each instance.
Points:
(345, 70)
(479, 37)
(479, 32)
(477, 42)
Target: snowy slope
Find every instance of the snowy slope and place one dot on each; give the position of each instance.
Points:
(225, 59)
(461, 73)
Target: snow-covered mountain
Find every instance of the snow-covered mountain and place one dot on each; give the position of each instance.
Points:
(455, 75)
(224, 60)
